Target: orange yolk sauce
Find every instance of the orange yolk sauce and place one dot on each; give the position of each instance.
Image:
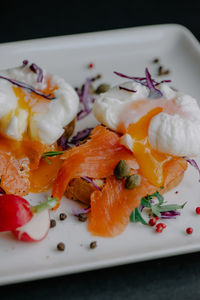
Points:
(26, 155)
(152, 163)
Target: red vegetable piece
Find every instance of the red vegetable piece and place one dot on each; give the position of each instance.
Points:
(14, 212)
(198, 210)
(153, 221)
(159, 228)
(189, 230)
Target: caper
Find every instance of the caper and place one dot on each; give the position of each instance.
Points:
(122, 169)
(132, 182)
(102, 88)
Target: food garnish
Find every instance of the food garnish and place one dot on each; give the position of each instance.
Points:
(126, 89)
(28, 223)
(102, 88)
(80, 136)
(62, 216)
(159, 210)
(122, 169)
(146, 81)
(93, 245)
(92, 182)
(61, 246)
(132, 181)
(197, 210)
(52, 223)
(193, 163)
(28, 87)
(189, 230)
(51, 154)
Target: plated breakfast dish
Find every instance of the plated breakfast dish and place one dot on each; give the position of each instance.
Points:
(119, 170)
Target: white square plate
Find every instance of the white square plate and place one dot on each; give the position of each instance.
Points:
(128, 51)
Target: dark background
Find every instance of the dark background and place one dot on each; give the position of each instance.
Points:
(169, 278)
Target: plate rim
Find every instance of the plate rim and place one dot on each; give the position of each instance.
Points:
(104, 263)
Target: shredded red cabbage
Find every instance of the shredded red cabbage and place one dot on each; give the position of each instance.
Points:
(27, 87)
(193, 163)
(147, 81)
(170, 214)
(126, 89)
(77, 212)
(82, 114)
(80, 136)
(34, 68)
(85, 98)
(92, 182)
(130, 77)
(154, 92)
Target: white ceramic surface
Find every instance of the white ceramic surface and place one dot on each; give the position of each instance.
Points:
(128, 51)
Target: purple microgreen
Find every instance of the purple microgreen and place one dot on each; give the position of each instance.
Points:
(81, 135)
(147, 81)
(34, 68)
(27, 87)
(130, 77)
(82, 114)
(170, 214)
(126, 89)
(154, 92)
(77, 212)
(92, 182)
(64, 142)
(193, 163)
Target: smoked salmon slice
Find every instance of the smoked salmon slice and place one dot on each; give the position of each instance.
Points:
(111, 207)
(96, 158)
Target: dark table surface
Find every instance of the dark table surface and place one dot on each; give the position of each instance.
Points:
(168, 278)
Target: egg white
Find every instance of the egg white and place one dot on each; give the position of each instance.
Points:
(47, 119)
(176, 134)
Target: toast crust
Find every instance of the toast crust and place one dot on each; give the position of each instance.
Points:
(80, 190)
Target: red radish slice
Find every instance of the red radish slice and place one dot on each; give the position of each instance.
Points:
(36, 229)
(14, 212)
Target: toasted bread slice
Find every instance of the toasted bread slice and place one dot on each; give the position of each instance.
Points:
(69, 128)
(80, 190)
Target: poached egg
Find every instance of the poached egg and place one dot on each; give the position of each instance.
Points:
(25, 114)
(155, 130)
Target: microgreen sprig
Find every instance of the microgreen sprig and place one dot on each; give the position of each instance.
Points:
(155, 209)
(51, 154)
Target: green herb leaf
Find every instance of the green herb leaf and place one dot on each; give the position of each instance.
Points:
(136, 216)
(47, 160)
(159, 197)
(155, 210)
(170, 207)
(146, 202)
(52, 153)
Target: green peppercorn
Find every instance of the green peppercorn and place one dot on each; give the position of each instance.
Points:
(132, 182)
(102, 88)
(122, 169)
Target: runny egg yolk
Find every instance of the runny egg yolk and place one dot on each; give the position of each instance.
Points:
(29, 152)
(151, 161)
